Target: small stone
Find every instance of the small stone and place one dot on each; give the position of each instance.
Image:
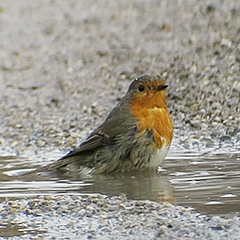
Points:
(226, 43)
(48, 197)
(82, 212)
(113, 208)
(167, 205)
(204, 126)
(207, 141)
(195, 123)
(232, 131)
(194, 107)
(225, 138)
(40, 143)
(163, 228)
(211, 7)
(70, 141)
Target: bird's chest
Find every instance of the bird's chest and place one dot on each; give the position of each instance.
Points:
(157, 121)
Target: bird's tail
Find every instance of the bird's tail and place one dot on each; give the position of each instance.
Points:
(62, 162)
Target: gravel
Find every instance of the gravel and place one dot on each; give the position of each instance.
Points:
(102, 217)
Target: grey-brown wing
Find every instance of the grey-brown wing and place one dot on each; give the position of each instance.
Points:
(93, 142)
(118, 122)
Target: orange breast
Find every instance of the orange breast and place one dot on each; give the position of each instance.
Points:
(157, 120)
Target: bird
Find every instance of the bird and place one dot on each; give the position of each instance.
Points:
(136, 134)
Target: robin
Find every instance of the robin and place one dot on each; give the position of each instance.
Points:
(136, 134)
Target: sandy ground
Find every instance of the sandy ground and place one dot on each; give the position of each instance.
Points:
(65, 64)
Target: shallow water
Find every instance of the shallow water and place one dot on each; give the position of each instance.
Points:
(208, 181)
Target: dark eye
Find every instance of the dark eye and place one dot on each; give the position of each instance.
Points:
(141, 88)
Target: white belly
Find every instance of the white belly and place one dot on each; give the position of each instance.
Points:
(159, 156)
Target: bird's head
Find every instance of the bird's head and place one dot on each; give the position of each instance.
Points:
(148, 92)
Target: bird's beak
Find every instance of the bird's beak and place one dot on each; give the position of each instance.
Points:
(162, 87)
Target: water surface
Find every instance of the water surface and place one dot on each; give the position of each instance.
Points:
(208, 181)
